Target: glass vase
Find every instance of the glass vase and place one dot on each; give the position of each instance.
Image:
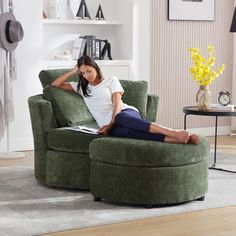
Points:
(203, 98)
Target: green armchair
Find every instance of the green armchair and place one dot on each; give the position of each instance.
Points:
(61, 155)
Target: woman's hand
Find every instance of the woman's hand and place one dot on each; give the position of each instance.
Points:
(105, 129)
(75, 70)
(60, 81)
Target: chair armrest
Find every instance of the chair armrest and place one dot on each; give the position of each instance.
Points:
(42, 121)
(152, 105)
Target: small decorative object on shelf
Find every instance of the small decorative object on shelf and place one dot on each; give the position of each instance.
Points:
(224, 97)
(61, 55)
(44, 15)
(204, 75)
(83, 10)
(57, 9)
(99, 14)
(106, 49)
(70, 12)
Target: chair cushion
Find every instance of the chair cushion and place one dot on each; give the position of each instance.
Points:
(136, 94)
(134, 152)
(68, 107)
(48, 76)
(61, 139)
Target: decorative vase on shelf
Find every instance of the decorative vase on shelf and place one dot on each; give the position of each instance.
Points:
(203, 98)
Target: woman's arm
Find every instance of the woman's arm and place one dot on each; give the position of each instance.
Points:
(60, 81)
(116, 100)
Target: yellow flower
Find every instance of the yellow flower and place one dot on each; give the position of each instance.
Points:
(202, 69)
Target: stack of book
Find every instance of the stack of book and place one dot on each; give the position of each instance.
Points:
(229, 107)
(87, 45)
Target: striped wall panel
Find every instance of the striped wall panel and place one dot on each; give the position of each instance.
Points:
(170, 60)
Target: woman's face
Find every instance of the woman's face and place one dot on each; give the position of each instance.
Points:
(89, 73)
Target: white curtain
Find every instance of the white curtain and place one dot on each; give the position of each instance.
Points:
(233, 120)
(6, 98)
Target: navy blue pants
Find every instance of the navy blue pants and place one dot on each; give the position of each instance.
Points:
(130, 124)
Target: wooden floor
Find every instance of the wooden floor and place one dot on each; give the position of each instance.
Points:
(27, 160)
(214, 222)
(217, 222)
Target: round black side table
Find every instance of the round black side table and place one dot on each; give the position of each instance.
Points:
(194, 110)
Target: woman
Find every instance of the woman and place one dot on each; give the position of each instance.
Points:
(103, 98)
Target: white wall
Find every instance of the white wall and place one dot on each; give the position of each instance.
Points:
(29, 63)
(141, 39)
(123, 34)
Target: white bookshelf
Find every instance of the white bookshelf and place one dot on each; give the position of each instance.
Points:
(80, 22)
(117, 28)
(119, 68)
(71, 63)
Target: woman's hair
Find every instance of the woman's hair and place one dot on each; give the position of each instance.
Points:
(83, 83)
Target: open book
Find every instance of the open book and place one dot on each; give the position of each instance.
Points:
(83, 129)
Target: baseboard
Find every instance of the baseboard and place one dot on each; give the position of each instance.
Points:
(23, 144)
(233, 124)
(210, 131)
(17, 145)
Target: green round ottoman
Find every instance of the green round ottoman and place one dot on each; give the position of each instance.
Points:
(148, 172)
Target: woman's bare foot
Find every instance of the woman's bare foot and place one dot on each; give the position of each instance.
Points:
(182, 136)
(194, 139)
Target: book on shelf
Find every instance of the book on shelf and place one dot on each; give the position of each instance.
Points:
(87, 45)
(93, 47)
(90, 45)
(83, 129)
(83, 47)
(77, 48)
(97, 49)
(229, 107)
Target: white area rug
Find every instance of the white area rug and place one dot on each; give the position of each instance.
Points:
(29, 208)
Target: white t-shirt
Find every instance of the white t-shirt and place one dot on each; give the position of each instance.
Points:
(100, 102)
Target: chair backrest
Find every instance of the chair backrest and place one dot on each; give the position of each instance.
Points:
(48, 76)
(135, 95)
